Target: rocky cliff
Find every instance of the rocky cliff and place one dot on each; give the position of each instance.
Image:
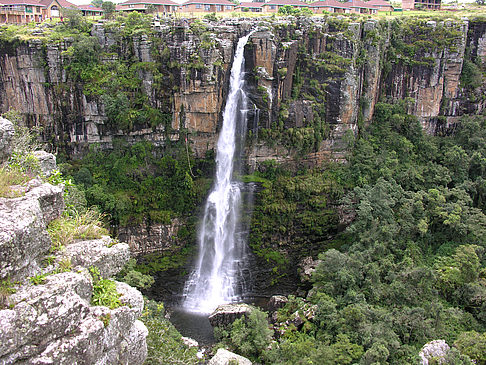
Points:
(319, 77)
(47, 313)
(313, 82)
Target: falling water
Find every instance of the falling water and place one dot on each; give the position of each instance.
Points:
(216, 279)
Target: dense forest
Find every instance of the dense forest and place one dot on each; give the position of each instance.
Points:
(409, 268)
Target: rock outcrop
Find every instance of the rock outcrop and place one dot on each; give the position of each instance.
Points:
(6, 135)
(324, 73)
(226, 314)
(49, 318)
(225, 357)
(23, 237)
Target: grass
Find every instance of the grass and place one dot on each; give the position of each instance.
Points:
(6, 288)
(77, 226)
(9, 177)
(104, 291)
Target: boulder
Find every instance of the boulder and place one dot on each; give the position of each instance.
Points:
(436, 350)
(225, 357)
(276, 302)
(226, 314)
(23, 238)
(47, 162)
(104, 253)
(6, 135)
(54, 323)
(306, 267)
(189, 342)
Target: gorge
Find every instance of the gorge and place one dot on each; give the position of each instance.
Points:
(364, 146)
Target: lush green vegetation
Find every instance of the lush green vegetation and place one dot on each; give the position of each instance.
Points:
(164, 343)
(411, 266)
(134, 183)
(104, 291)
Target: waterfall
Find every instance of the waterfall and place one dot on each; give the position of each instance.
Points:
(217, 277)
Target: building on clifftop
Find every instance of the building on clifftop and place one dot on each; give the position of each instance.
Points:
(421, 4)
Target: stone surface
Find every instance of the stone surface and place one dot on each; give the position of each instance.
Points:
(23, 238)
(277, 302)
(226, 314)
(225, 357)
(6, 134)
(47, 162)
(109, 257)
(306, 267)
(436, 350)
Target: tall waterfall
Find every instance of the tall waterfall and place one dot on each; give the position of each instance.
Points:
(222, 249)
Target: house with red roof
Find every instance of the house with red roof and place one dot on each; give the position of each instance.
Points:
(361, 7)
(421, 4)
(52, 8)
(160, 6)
(273, 5)
(255, 7)
(90, 10)
(331, 6)
(208, 6)
(381, 5)
(20, 11)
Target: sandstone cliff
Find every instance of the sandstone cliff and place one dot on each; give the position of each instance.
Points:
(323, 74)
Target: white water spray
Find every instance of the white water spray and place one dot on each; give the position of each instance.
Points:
(221, 249)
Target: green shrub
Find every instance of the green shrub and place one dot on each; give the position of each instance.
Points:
(104, 291)
(133, 277)
(164, 343)
(249, 336)
(6, 289)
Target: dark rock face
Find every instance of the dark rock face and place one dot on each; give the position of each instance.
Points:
(226, 314)
(350, 61)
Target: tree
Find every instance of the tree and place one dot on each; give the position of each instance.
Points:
(97, 3)
(109, 9)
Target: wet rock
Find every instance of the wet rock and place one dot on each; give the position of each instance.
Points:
(6, 134)
(435, 350)
(227, 313)
(225, 357)
(307, 267)
(277, 302)
(189, 342)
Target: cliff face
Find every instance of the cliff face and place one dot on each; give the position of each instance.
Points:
(311, 81)
(320, 73)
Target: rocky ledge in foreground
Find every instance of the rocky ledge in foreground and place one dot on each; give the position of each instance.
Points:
(47, 311)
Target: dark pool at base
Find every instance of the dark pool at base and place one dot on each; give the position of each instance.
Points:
(193, 325)
(197, 326)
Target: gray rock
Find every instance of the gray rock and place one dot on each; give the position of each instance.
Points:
(307, 267)
(97, 253)
(226, 314)
(437, 350)
(47, 162)
(277, 302)
(23, 238)
(225, 357)
(6, 134)
(54, 323)
(189, 342)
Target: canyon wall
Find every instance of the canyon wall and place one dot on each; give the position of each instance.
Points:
(312, 82)
(324, 73)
